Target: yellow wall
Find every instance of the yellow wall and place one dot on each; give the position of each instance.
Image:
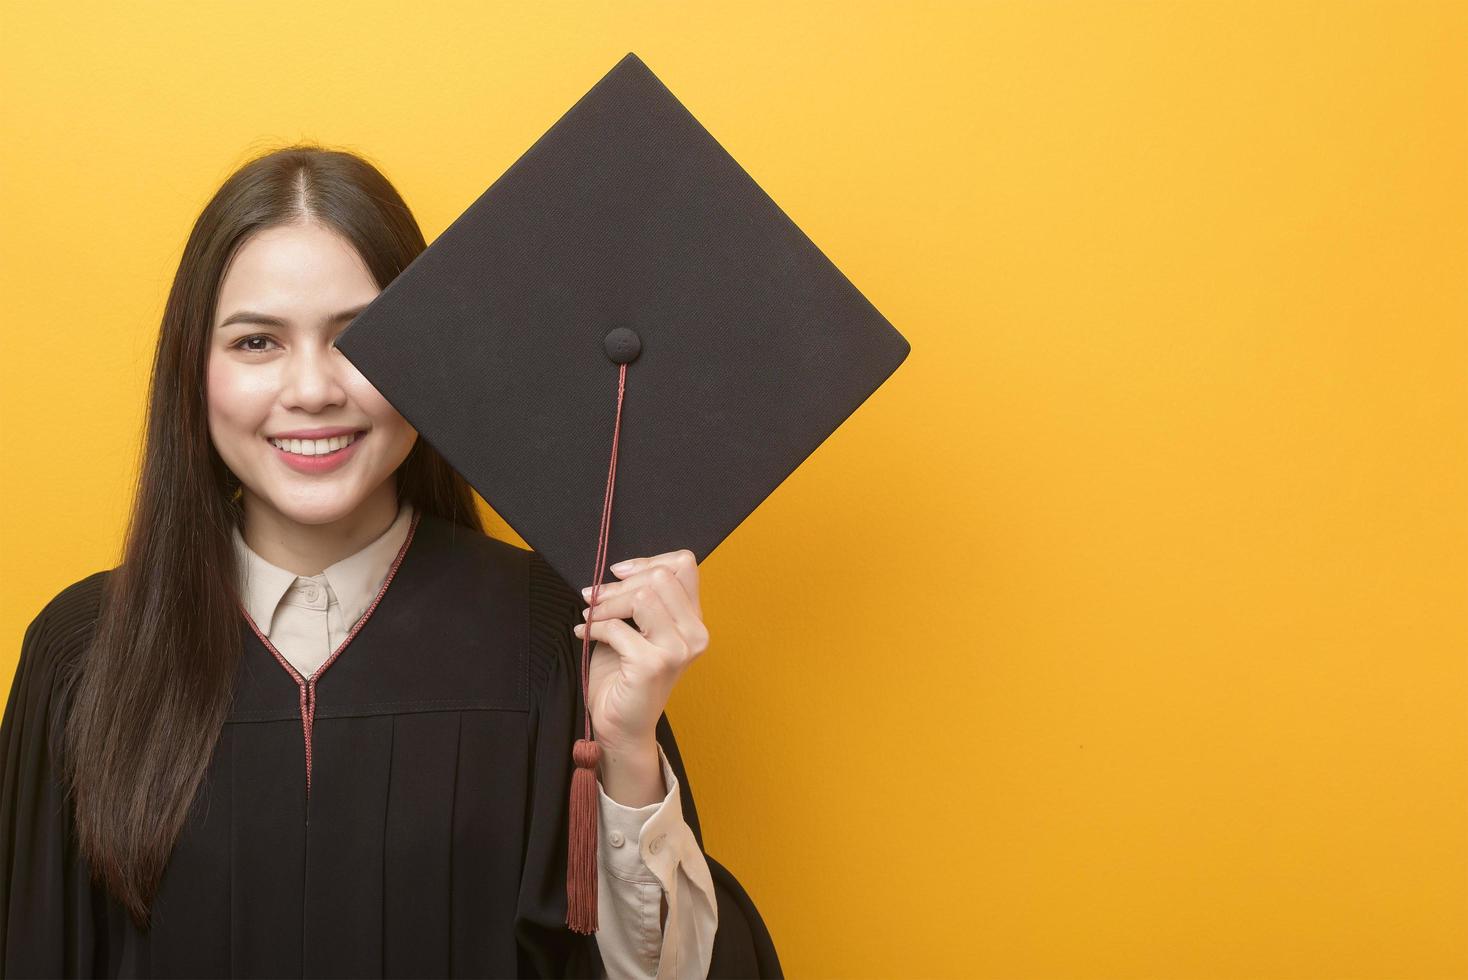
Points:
(1123, 633)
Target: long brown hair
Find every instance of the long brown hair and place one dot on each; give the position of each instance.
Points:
(154, 690)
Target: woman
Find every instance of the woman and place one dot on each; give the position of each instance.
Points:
(317, 721)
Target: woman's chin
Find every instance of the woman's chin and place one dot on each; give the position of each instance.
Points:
(316, 504)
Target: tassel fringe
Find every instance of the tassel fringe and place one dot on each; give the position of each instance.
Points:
(581, 899)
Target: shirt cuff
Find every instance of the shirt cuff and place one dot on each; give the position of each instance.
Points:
(647, 854)
(643, 843)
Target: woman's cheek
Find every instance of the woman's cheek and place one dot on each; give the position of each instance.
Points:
(396, 435)
(235, 414)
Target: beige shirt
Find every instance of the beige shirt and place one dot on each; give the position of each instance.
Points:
(645, 853)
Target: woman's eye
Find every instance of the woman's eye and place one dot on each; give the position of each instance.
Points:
(243, 342)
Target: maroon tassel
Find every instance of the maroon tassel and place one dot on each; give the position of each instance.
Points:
(581, 898)
(581, 856)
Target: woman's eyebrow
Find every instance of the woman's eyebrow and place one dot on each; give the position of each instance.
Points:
(263, 319)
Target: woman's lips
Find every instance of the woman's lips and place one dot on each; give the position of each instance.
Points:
(324, 463)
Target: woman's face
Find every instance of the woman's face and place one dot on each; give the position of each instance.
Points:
(274, 371)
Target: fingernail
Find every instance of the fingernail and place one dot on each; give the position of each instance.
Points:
(578, 628)
(622, 566)
(586, 592)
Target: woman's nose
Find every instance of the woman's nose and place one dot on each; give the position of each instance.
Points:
(313, 377)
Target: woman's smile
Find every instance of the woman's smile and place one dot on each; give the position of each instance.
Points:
(317, 455)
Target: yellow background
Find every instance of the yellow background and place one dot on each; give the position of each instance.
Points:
(1123, 632)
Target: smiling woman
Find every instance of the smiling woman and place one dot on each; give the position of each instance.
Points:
(316, 721)
(274, 374)
(289, 239)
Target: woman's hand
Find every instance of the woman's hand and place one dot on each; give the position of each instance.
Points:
(633, 672)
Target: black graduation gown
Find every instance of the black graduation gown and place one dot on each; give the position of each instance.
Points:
(432, 841)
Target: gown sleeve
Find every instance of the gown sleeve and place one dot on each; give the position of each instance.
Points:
(629, 941)
(52, 917)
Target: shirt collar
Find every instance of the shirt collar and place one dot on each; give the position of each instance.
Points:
(354, 580)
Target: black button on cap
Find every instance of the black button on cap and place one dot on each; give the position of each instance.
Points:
(623, 345)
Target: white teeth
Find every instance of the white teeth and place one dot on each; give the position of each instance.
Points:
(313, 447)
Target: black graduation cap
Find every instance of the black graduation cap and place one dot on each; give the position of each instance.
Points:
(625, 346)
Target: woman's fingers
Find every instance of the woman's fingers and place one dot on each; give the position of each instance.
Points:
(681, 563)
(615, 634)
(675, 601)
(662, 641)
(678, 606)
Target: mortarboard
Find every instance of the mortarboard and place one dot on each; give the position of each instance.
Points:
(624, 309)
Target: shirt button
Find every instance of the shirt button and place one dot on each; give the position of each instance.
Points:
(616, 838)
(657, 842)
